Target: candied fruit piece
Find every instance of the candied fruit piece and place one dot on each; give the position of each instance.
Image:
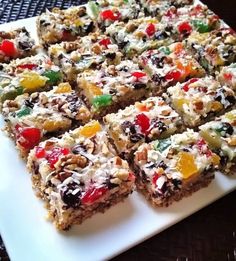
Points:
(55, 154)
(143, 122)
(150, 30)
(93, 194)
(28, 137)
(53, 76)
(8, 48)
(186, 164)
(102, 100)
(31, 81)
(90, 129)
(63, 88)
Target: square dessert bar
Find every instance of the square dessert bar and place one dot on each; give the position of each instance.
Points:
(31, 118)
(215, 49)
(227, 76)
(200, 99)
(221, 137)
(106, 12)
(27, 75)
(89, 52)
(16, 44)
(181, 22)
(113, 87)
(64, 25)
(144, 121)
(169, 65)
(78, 175)
(139, 35)
(170, 169)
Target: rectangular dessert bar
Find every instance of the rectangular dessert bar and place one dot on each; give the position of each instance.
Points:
(200, 99)
(113, 87)
(89, 52)
(64, 25)
(27, 75)
(214, 49)
(170, 169)
(16, 44)
(227, 76)
(139, 35)
(32, 118)
(78, 175)
(169, 65)
(139, 123)
(182, 22)
(221, 137)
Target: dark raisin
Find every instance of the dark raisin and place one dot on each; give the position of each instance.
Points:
(156, 123)
(224, 160)
(128, 126)
(89, 28)
(69, 198)
(26, 46)
(156, 78)
(162, 165)
(124, 69)
(177, 183)
(225, 129)
(110, 185)
(158, 61)
(136, 137)
(139, 86)
(111, 56)
(122, 44)
(161, 35)
(219, 34)
(29, 104)
(231, 100)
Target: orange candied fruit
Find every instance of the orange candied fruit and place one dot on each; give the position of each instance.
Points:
(186, 164)
(90, 129)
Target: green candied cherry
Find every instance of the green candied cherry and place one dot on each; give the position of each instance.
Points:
(102, 101)
(201, 26)
(162, 145)
(23, 111)
(165, 50)
(11, 94)
(53, 76)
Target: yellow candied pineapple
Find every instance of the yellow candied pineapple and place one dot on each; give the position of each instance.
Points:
(32, 81)
(63, 88)
(186, 164)
(90, 129)
(90, 89)
(231, 115)
(216, 106)
(178, 103)
(215, 159)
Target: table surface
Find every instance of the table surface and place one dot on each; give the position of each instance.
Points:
(209, 234)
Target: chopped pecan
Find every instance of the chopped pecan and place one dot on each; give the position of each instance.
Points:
(141, 155)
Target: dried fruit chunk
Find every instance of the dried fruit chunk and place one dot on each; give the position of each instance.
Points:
(90, 129)
(31, 81)
(186, 164)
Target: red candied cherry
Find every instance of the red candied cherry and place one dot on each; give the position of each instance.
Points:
(150, 30)
(186, 86)
(174, 75)
(203, 148)
(138, 75)
(171, 13)
(105, 42)
(131, 176)
(30, 66)
(185, 28)
(54, 155)
(228, 76)
(155, 178)
(93, 194)
(8, 48)
(40, 152)
(110, 15)
(143, 122)
(196, 10)
(28, 137)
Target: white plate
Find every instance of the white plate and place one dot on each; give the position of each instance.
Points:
(28, 236)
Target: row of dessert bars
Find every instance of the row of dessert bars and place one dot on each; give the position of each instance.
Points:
(129, 95)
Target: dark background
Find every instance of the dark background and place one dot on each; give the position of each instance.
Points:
(208, 235)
